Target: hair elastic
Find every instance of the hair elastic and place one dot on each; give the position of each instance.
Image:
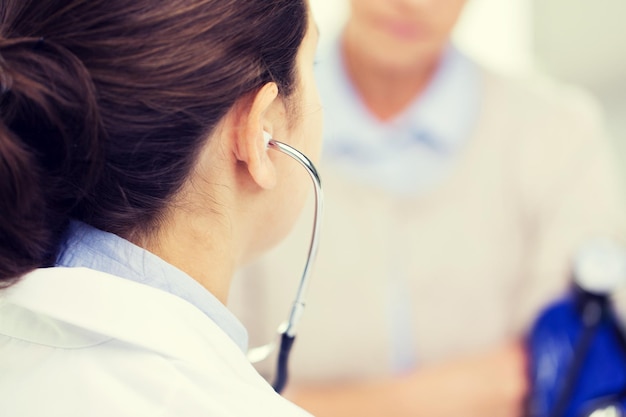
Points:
(39, 42)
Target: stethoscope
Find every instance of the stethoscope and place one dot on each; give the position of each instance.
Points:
(287, 330)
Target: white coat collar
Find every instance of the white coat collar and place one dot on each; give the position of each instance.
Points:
(88, 247)
(77, 317)
(109, 307)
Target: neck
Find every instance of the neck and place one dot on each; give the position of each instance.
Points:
(385, 90)
(200, 247)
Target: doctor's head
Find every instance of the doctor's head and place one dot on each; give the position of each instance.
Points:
(145, 117)
(400, 34)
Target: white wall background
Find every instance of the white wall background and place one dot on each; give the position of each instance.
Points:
(583, 42)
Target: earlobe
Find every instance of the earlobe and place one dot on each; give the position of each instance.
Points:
(261, 167)
(265, 175)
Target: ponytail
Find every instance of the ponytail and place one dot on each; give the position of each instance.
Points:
(24, 239)
(49, 150)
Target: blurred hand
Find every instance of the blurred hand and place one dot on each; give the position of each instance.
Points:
(492, 384)
(487, 385)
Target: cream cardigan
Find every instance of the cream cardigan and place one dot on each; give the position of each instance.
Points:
(484, 252)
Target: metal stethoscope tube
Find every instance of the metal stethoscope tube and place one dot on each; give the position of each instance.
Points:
(288, 329)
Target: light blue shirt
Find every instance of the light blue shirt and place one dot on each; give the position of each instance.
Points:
(413, 152)
(86, 246)
(407, 156)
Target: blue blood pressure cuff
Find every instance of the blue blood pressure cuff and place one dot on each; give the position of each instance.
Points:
(577, 360)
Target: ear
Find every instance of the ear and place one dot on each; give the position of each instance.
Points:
(250, 142)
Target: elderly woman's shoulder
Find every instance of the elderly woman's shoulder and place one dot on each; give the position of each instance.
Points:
(538, 97)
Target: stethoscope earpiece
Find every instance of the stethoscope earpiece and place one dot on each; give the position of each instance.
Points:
(267, 137)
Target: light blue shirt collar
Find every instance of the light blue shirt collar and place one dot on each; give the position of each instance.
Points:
(411, 153)
(86, 246)
(449, 106)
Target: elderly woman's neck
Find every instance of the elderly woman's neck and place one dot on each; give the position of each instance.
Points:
(385, 90)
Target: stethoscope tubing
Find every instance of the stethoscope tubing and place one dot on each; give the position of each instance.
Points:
(300, 300)
(288, 330)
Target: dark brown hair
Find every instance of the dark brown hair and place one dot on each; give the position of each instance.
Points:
(104, 103)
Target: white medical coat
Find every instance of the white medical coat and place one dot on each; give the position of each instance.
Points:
(77, 342)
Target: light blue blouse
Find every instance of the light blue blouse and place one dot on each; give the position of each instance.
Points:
(86, 246)
(412, 153)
